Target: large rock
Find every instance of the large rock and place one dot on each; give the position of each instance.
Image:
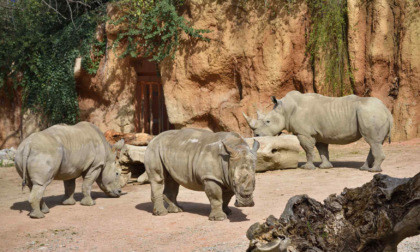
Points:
(137, 139)
(131, 162)
(278, 152)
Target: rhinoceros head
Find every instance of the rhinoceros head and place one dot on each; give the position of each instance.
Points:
(242, 172)
(270, 124)
(109, 180)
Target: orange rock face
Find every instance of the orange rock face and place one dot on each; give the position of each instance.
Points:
(255, 53)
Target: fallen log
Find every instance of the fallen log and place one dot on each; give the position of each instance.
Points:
(374, 217)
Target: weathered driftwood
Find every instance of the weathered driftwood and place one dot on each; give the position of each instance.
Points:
(374, 217)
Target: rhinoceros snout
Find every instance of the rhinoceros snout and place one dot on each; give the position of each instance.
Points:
(243, 204)
(244, 201)
(114, 193)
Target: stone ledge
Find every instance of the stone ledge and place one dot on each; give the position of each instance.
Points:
(276, 152)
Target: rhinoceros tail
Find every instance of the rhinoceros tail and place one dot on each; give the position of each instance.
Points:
(391, 122)
(25, 156)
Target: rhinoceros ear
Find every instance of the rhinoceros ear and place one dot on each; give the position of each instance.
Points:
(255, 146)
(118, 145)
(276, 102)
(273, 98)
(231, 151)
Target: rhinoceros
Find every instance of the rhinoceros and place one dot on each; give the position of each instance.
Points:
(63, 152)
(319, 120)
(221, 164)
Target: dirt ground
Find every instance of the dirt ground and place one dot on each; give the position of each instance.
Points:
(127, 224)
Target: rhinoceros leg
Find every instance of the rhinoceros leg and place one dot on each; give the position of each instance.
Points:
(155, 172)
(44, 207)
(69, 188)
(323, 153)
(308, 144)
(378, 157)
(368, 163)
(35, 197)
(227, 196)
(170, 193)
(215, 195)
(88, 179)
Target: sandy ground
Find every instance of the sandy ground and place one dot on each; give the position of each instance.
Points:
(127, 224)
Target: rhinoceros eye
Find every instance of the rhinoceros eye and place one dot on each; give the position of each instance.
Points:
(267, 121)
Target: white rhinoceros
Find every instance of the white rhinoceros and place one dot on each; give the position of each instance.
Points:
(64, 152)
(221, 164)
(319, 120)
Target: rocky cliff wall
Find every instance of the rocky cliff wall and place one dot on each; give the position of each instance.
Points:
(257, 52)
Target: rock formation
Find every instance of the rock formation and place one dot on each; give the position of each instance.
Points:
(136, 139)
(280, 152)
(254, 52)
(374, 217)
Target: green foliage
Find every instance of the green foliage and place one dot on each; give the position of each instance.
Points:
(38, 49)
(328, 39)
(154, 28)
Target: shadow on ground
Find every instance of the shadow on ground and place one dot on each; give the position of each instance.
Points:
(53, 201)
(340, 164)
(199, 209)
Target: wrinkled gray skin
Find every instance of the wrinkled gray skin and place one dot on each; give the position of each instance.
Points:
(221, 164)
(320, 120)
(64, 152)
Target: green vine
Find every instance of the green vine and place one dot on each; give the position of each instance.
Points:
(38, 49)
(153, 28)
(328, 39)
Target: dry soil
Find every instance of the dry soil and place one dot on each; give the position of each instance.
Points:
(127, 224)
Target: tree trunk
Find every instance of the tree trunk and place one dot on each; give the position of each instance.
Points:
(374, 217)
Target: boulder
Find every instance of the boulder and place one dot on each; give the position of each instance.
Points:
(131, 162)
(143, 179)
(278, 152)
(132, 154)
(137, 139)
(7, 157)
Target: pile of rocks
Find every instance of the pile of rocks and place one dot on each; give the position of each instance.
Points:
(280, 152)
(7, 157)
(131, 156)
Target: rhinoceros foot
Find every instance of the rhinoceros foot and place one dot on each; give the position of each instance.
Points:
(375, 169)
(365, 167)
(325, 165)
(87, 201)
(308, 166)
(175, 209)
(36, 214)
(217, 216)
(69, 201)
(160, 211)
(227, 211)
(44, 208)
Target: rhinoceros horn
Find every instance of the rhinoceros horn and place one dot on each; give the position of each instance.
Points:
(250, 121)
(260, 115)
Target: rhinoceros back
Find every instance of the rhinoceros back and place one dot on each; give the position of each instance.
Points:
(190, 155)
(334, 120)
(71, 149)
